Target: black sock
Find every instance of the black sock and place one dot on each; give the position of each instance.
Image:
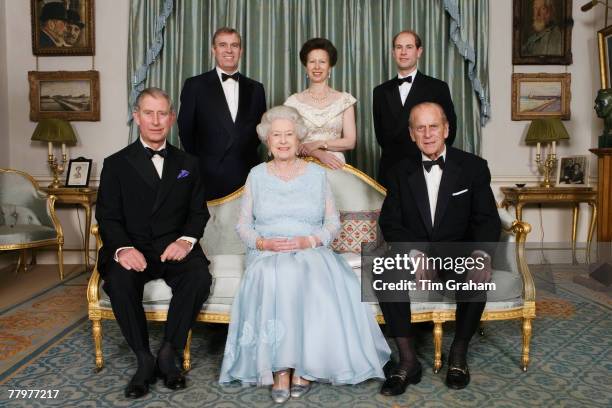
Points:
(458, 352)
(146, 366)
(166, 359)
(407, 354)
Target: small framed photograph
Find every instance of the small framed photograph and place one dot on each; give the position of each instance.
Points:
(63, 27)
(537, 96)
(604, 38)
(79, 171)
(542, 32)
(572, 171)
(68, 95)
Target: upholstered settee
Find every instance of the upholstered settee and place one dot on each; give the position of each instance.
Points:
(359, 199)
(27, 218)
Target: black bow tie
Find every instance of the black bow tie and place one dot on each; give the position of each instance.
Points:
(162, 152)
(234, 76)
(428, 164)
(400, 81)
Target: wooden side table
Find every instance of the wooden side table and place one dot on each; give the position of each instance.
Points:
(520, 197)
(86, 198)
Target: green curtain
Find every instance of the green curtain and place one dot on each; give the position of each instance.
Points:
(274, 30)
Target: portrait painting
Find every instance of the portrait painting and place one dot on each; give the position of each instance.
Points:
(78, 173)
(69, 95)
(63, 27)
(572, 171)
(604, 38)
(540, 96)
(542, 32)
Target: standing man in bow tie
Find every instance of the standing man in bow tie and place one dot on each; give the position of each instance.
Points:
(439, 195)
(219, 112)
(152, 213)
(394, 99)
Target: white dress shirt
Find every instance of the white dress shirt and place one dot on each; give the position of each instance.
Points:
(158, 162)
(405, 87)
(230, 89)
(432, 179)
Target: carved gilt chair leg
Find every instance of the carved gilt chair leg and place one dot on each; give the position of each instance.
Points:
(526, 342)
(437, 334)
(60, 260)
(187, 353)
(97, 335)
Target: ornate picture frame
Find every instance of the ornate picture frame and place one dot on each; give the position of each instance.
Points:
(69, 95)
(63, 27)
(573, 171)
(79, 171)
(542, 32)
(537, 96)
(604, 39)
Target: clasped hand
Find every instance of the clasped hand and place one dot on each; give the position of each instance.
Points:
(285, 244)
(133, 259)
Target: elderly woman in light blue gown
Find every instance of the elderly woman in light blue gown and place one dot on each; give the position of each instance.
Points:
(297, 317)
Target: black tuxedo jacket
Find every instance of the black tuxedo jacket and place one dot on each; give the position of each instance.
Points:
(391, 117)
(227, 150)
(136, 208)
(465, 210)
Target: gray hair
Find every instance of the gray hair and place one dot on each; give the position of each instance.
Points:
(154, 93)
(281, 112)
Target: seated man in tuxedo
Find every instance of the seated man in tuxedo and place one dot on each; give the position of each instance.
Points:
(151, 211)
(441, 195)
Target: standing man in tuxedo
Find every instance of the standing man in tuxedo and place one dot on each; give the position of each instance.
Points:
(441, 194)
(152, 213)
(219, 112)
(394, 99)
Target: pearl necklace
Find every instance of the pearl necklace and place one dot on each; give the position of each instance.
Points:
(318, 99)
(290, 172)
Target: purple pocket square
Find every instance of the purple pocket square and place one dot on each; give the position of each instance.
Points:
(182, 174)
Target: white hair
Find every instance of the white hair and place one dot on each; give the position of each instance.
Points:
(281, 112)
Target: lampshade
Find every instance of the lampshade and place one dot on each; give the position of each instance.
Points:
(54, 130)
(546, 131)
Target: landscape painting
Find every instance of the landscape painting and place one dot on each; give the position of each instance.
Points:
(540, 95)
(69, 95)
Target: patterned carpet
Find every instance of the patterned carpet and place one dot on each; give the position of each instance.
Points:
(571, 354)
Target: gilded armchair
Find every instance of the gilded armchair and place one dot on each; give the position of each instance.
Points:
(27, 217)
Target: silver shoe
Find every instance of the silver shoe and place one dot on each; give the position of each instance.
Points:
(280, 395)
(297, 390)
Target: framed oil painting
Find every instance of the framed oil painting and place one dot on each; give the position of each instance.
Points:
(542, 32)
(536, 96)
(68, 95)
(604, 38)
(63, 27)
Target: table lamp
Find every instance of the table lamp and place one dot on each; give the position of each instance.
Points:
(55, 131)
(548, 132)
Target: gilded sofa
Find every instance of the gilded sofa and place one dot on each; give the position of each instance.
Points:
(27, 218)
(358, 198)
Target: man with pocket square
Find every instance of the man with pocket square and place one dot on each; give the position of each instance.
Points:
(152, 212)
(441, 195)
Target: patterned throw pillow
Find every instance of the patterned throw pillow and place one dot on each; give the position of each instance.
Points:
(356, 227)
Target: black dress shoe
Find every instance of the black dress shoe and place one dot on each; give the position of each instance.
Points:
(174, 380)
(457, 377)
(399, 379)
(137, 388)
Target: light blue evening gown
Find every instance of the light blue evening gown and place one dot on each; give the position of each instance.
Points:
(300, 309)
